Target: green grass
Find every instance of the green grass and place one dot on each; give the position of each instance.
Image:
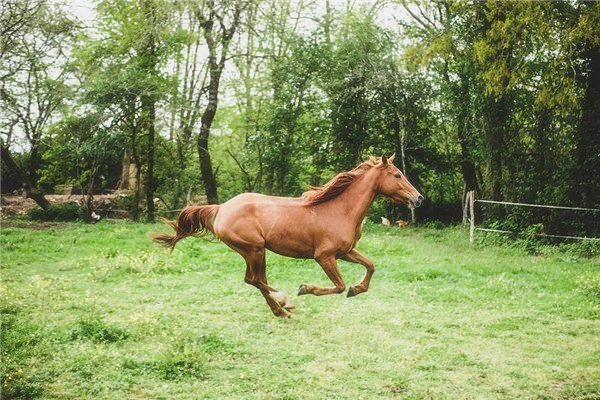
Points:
(99, 312)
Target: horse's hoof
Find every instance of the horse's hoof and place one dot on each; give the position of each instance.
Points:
(302, 290)
(351, 292)
(279, 297)
(283, 314)
(290, 308)
(283, 301)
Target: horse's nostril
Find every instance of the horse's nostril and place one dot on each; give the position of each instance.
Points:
(418, 201)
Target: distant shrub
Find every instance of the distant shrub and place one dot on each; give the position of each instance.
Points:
(125, 201)
(532, 238)
(586, 248)
(435, 225)
(58, 212)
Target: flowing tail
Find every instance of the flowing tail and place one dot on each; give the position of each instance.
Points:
(194, 221)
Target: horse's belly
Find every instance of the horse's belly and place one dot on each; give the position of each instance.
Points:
(291, 247)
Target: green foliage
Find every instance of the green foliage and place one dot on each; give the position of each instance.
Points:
(58, 212)
(532, 238)
(503, 92)
(83, 154)
(10, 180)
(35, 75)
(586, 248)
(487, 95)
(291, 121)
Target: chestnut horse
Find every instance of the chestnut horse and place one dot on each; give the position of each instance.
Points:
(324, 224)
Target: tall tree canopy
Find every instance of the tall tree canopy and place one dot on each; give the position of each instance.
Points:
(214, 98)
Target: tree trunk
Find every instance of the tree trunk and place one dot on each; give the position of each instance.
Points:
(28, 186)
(35, 162)
(215, 65)
(135, 212)
(148, 101)
(402, 131)
(495, 126)
(206, 169)
(467, 165)
(148, 108)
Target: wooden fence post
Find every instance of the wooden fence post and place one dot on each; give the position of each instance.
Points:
(471, 199)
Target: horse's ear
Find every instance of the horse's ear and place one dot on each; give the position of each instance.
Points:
(384, 159)
(391, 159)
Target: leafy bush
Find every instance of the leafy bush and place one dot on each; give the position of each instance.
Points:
(532, 238)
(586, 248)
(58, 212)
(125, 201)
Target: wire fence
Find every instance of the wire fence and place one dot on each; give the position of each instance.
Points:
(538, 205)
(469, 215)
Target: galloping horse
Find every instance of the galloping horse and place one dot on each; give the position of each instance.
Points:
(324, 224)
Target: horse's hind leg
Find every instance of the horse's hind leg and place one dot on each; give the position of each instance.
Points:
(355, 257)
(256, 276)
(330, 267)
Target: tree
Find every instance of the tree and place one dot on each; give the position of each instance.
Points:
(588, 130)
(122, 75)
(184, 103)
(84, 154)
(149, 64)
(278, 99)
(29, 188)
(219, 23)
(35, 39)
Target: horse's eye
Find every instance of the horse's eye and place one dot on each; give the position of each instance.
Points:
(398, 175)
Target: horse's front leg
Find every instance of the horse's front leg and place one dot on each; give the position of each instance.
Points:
(329, 265)
(355, 257)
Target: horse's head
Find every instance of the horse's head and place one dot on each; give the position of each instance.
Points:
(394, 185)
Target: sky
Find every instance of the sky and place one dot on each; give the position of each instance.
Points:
(84, 9)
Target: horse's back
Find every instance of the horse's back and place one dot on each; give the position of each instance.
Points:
(259, 198)
(264, 207)
(278, 223)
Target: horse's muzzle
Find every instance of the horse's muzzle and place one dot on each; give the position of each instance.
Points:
(415, 201)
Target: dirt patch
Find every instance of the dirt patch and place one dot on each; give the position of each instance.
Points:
(16, 205)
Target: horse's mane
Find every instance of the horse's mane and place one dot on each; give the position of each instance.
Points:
(337, 185)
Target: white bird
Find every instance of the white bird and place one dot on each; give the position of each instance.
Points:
(386, 221)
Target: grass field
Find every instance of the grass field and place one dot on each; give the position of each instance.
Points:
(99, 312)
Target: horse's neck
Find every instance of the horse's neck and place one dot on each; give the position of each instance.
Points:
(358, 197)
